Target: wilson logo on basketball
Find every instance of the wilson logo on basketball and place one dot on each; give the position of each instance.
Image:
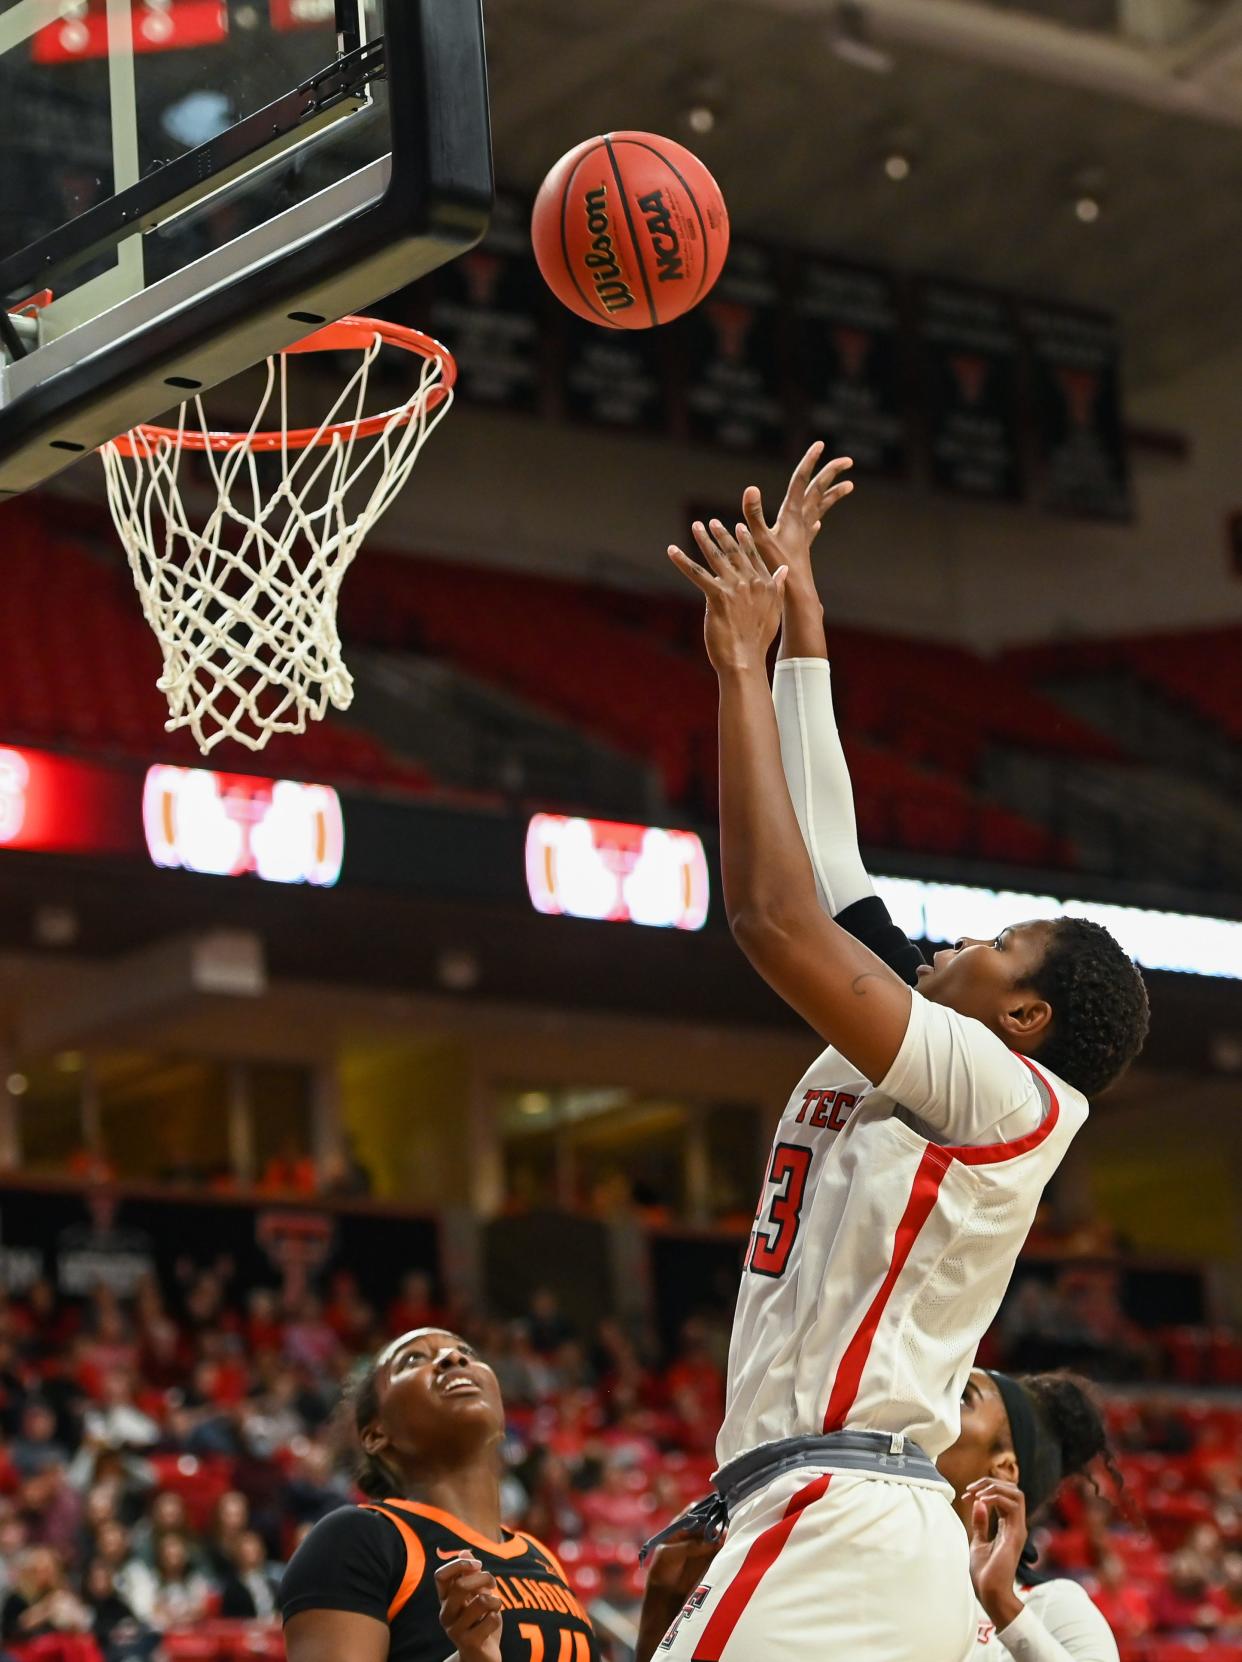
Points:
(602, 261)
(664, 238)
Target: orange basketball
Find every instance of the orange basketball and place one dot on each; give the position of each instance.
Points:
(630, 230)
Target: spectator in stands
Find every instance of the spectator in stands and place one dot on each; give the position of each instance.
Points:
(344, 1176)
(40, 1604)
(117, 1422)
(35, 1447)
(310, 1342)
(546, 1323)
(290, 1171)
(415, 1307)
(133, 1578)
(248, 1591)
(1232, 1589)
(619, 1511)
(12, 1543)
(116, 1630)
(51, 1509)
(271, 1420)
(1124, 1603)
(230, 1520)
(166, 1515)
(182, 1594)
(1187, 1605)
(349, 1315)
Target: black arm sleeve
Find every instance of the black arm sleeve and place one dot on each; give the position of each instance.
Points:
(868, 921)
(351, 1560)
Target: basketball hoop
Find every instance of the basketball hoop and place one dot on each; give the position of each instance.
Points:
(244, 608)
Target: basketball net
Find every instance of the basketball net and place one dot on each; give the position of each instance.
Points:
(244, 605)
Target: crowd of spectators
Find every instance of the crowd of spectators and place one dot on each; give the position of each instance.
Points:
(161, 1456)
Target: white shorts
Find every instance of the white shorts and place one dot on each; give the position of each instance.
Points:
(821, 1565)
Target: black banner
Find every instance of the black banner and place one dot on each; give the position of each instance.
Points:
(735, 391)
(851, 365)
(489, 308)
(969, 351)
(80, 1239)
(1075, 362)
(614, 377)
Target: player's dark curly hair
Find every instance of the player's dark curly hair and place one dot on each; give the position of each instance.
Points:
(1099, 1006)
(1069, 1412)
(373, 1475)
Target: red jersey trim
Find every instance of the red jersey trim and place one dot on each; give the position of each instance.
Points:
(765, 1550)
(923, 1193)
(987, 1153)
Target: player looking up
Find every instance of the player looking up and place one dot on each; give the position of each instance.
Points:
(906, 1168)
(426, 1572)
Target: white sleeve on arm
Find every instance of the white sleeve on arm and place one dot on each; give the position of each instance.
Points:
(819, 781)
(1059, 1624)
(961, 1080)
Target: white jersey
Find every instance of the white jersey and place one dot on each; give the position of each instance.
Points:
(886, 1233)
(1058, 1624)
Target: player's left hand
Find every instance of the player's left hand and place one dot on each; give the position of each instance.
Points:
(743, 597)
(997, 1536)
(808, 501)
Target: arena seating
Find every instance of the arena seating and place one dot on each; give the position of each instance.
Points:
(602, 1453)
(80, 666)
(624, 668)
(627, 668)
(1200, 670)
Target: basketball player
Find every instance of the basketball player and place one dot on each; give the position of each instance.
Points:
(906, 1169)
(1020, 1439)
(425, 1572)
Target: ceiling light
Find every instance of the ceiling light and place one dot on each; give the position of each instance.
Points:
(534, 1103)
(1088, 209)
(898, 167)
(17, 1084)
(701, 119)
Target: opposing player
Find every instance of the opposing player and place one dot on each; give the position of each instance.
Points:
(905, 1173)
(425, 1572)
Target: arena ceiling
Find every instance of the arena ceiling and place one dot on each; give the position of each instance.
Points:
(1010, 112)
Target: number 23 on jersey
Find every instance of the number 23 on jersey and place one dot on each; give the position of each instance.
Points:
(776, 1227)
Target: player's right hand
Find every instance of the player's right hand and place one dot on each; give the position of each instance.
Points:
(678, 1564)
(809, 498)
(470, 1609)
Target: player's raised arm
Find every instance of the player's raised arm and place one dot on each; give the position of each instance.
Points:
(846, 993)
(811, 753)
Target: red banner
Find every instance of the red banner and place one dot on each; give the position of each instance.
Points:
(155, 29)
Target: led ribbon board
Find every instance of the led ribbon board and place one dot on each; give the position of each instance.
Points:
(615, 873)
(1180, 942)
(231, 825)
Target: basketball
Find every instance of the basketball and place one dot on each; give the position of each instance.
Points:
(630, 230)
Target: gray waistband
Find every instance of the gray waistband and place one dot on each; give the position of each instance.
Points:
(877, 1452)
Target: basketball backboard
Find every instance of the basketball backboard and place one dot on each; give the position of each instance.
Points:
(199, 183)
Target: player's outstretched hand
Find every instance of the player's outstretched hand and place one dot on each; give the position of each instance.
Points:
(743, 597)
(810, 497)
(470, 1610)
(997, 1536)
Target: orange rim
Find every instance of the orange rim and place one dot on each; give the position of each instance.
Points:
(351, 334)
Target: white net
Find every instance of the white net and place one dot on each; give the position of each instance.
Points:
(244, 604)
